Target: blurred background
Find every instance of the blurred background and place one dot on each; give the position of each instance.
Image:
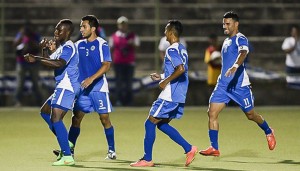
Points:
(265, 23)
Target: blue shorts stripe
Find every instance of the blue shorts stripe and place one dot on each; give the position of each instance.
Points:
(63, 98)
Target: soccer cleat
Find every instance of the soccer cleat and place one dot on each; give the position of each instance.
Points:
(142, 163)
(210, 151)
(190, 156)
(59, 153)
(64, 161)
(271, 140)
(111, 155)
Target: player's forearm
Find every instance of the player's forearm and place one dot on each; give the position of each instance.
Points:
(240, 59)
(178, 71)
(51, 63)
(105, 68)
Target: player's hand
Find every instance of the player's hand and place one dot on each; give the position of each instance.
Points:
(44, 43)
(52, 45)
(230, 71)
(29, 58)
(155, 77)
(87, 82)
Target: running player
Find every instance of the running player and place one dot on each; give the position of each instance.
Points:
(170, 103)
(233, 84)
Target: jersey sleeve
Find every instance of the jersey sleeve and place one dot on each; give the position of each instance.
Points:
(106, 52)
(66, 53)
(242, 43)
(175, 57)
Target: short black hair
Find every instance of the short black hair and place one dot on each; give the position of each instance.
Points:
(69, 24)
(177, 26)
(93, 20)
(231, 14)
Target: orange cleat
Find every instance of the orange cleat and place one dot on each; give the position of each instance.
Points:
(142, 163)
(210, 151)
(190, 156)
(271, 140)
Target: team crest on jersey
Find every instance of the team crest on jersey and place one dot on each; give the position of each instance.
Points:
(92, 48)
(226, 44)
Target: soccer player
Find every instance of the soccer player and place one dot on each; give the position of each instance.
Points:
(233, 84)
(170, 103)
(94, 62)
(64, 61)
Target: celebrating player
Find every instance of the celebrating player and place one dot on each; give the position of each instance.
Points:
(94, 62)
(170, 103)
(64, 61)
(233, 84)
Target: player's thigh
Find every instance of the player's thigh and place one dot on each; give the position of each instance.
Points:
(46, 107)
(214, 109)
(244, 98)
(101, 102)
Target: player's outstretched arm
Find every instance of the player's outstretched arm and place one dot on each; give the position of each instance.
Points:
(51, 63)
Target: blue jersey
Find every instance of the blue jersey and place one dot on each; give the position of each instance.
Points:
(67, 76)
(91, 56)
(230, 51)
(176, 90)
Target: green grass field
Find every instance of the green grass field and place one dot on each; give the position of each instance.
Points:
(26, 143)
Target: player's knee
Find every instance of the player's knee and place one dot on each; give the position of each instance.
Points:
(250, 116)
(104, 118)
(212, 115)
(153, 119)
(55, 118)
(76, 121)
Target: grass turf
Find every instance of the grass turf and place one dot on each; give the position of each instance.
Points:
(26, 142)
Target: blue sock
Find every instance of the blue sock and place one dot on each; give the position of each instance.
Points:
(213, 136)
(149, 139)
(47, 118)
(175, 136)
(73, 134)
(110, 137)
(264, 126)
(62, 137)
